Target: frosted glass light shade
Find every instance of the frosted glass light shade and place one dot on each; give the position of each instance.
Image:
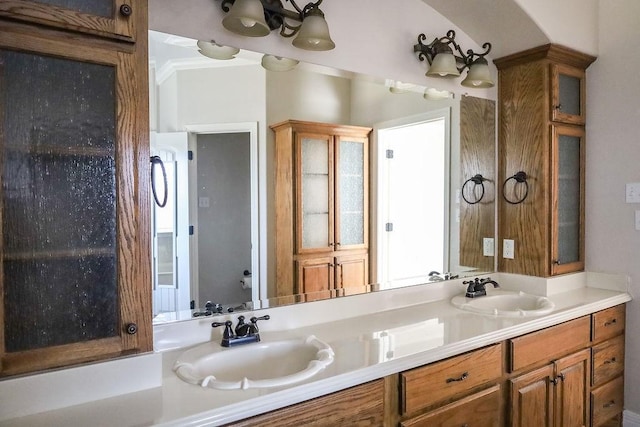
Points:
(217, 51)
(246, 18)
(278, 63)
(443, 65)
(478, 75)
(314, 34)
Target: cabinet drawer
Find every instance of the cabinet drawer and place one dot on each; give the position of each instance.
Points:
(481, 409)
(607, 401)
(608, 323)
(548, 344)
(607, 360)
(437, 382)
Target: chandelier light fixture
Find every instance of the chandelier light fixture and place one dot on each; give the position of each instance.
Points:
(257, 18)
(444, 63)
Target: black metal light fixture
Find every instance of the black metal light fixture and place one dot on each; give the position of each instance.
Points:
(444, 63)
(257, 18)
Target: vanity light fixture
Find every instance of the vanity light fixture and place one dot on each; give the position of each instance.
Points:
(257, 18)
(444, 63)
(216, 51)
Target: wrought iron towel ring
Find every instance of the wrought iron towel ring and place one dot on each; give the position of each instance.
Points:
(156, 160)
(520, 178)
(477, 179)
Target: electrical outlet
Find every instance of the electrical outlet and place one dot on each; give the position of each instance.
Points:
(487, 246)
(508, 248)
(632, 192)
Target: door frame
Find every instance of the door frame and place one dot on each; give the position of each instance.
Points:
(258, 205)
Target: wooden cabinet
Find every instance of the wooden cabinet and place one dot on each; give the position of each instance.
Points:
(607, 380)
(541, 133)
(322, 206)
(362, 405)
(74, 159)
(466, 386)
(556, 394)
(107, 18)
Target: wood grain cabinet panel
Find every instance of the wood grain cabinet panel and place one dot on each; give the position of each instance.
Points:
(359, 406)
(532, 396)
(608, 323)
(480, 409)
(607, 360)
(428, 385)
(548, 344)
(607, 402)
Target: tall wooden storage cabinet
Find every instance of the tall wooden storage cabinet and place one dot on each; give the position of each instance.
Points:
(541, 133)
(74, 163)
(322, 208)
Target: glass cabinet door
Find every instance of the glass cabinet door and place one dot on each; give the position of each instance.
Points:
(314, 191)
(104, 17)
(568, 94)
(567, 251)
(70, 257)
(351, 192)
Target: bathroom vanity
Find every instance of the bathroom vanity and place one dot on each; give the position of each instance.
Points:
(402, 357)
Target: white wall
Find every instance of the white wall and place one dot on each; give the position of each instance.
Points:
(613, 159)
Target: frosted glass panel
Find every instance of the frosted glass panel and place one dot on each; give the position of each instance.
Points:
(569, 94)
(315, 156)
(59, 200)
(315, 231)
(568, 199)
(93, 7)
(351, 177)
(315, 193)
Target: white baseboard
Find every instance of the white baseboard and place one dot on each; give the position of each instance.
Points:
(630, 419)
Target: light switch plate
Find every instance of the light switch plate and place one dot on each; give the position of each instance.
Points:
(638, 220)
(487, 246)
(508, 248)
(632, 193)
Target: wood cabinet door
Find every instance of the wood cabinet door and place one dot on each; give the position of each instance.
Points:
(74, 160)
(110, 18)
(315, 277)
(572, 389)
(314, 184)
(532, 397)
(567, 199)
(567, 94)
(352, 271)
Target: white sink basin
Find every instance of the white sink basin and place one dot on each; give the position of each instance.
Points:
(256, 365)
(505, 304)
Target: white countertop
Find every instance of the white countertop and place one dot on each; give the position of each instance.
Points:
(375, 342)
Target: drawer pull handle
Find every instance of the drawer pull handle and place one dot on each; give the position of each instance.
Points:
(610, 322)
(609, 361)
(464, 376)
(609, 404)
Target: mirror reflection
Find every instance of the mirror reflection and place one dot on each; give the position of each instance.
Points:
(220, 127)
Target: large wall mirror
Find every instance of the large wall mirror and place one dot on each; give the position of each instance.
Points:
(431, 203)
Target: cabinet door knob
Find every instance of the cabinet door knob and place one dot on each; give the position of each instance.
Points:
(126, 10)
(132, 328)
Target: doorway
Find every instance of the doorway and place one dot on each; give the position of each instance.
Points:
(413, 198)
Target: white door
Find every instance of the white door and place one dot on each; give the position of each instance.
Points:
(171, 287)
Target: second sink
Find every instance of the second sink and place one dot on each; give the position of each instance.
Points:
(502, 303)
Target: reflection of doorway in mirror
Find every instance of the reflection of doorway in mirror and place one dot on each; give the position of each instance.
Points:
(413, 200)
(170, 241)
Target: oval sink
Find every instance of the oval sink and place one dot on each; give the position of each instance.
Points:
(256, 365)
(505, 304)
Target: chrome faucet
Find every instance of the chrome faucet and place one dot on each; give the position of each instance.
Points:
(476, 288)
(244, 333)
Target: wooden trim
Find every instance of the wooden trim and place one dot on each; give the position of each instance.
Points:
(551, 52)
(62, 355)
(116, 26)
(323, 128)
(284, 194)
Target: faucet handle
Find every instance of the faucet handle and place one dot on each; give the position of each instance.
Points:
(228, 332)
(254, 321)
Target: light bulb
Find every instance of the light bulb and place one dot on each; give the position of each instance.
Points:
(248, 23)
